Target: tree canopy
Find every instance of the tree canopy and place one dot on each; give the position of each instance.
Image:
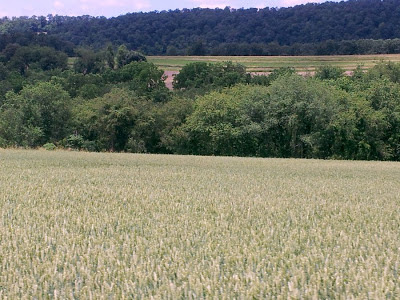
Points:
(346, 27)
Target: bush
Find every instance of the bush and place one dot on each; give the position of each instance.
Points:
(75, 141)
(200, 75)
(49, 146)
(89, 146)
(329, 72)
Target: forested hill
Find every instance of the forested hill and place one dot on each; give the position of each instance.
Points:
(218, 31)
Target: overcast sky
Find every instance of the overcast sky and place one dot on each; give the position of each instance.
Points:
(110, 8)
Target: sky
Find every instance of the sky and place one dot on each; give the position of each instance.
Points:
(113, 8)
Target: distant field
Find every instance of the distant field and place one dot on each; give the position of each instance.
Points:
(77, 225)
(71, 61)
(268, 63)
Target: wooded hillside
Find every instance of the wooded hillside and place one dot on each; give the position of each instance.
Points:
(327, 28)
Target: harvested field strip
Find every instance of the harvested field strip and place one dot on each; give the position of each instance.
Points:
(268, 63)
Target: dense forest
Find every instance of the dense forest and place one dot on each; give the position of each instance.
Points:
(82, 83)
(350, 27)
(114, 100)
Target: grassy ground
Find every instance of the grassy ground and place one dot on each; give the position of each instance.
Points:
(268, 63)
(96, 225)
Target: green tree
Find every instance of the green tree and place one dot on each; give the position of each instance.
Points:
(298, 113)
(88, 61)
(38, 114)
(329, 72)
(168, 117)
(229, 122)
(201, 75)
(197, 49)
(117, 121)
(384, 98)
(358, 130)
(144, 78)
(77, 84)
(110, 56)
(387, 70)
(41, 58)
(125, 56)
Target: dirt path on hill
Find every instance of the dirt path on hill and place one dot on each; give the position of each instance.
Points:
(170, 77)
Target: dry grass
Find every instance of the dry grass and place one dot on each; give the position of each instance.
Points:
(269, 63)
(91, 225)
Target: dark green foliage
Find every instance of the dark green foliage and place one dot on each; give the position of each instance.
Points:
(384, 98)
(110, 57)
(75, 141)
(125, 56)
(200, 75)
(296, 117)
(299, 113)
(388, 70)
(144, 78)
(115, 122)
(107, 120)
(225, 123)
(88, 61)
(284, 71)
(289, 119)
(329, 72)
(110, 103)
(258, 79)
(49, 146)
(36, 115)
(168, 118)
(346, 27)
(21, 59)
(77, 84)
(197, 49)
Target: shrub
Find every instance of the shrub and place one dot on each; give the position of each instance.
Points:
(49, 146)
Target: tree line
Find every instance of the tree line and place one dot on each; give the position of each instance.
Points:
(114, 100)
(347, 27)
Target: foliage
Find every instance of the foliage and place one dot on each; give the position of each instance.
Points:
(387, 70)
(125, 56)
(36, 115)
(113, 121)
(75, 141)
(144, 78)
(167, 117)
(329, 72)
(224, 123)
(215, 108)
(199, 75)
(49, 146)
(87, 86)
(42, 58)
(346, 27)
(88, 61)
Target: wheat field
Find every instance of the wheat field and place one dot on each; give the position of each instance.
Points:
(77, 225)
(302, 64)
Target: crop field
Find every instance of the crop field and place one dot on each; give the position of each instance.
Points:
(78, 225)
(269, 63)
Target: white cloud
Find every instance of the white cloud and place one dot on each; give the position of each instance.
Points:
(210, 4)
(140, 5)
(288, 3)
(3, 13)
(135, 4)
(260, 5)
(85, 7)
(58, 4)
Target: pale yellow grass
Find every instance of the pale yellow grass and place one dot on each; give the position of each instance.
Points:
(115, 226)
